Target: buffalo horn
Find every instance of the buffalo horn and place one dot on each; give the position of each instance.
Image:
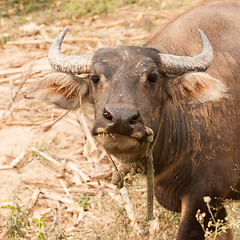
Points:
(65, 63)
(181, 64)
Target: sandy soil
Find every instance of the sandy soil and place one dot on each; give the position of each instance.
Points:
(81, 173)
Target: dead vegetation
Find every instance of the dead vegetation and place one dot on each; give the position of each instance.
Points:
(61, 179)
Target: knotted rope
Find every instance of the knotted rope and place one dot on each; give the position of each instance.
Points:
(118, 177)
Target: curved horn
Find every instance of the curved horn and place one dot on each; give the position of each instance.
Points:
(66, 63)
(182, 64)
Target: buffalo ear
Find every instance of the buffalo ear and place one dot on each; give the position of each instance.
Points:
(196, 88)
(62, 89)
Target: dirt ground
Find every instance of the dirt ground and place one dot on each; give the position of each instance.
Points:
(58, 173)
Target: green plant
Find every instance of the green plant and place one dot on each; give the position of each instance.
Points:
(41, 235)
(74, 9)
(84, 200)
(17, 221)
(4, 38)
(20, 7)
(37, 150)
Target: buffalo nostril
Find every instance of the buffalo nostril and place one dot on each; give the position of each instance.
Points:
(120, 120)
(134, 119)
(107, 115)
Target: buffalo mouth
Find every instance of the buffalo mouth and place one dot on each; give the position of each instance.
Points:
(125, 148)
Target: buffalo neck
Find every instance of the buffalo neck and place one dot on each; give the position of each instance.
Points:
(179, 139)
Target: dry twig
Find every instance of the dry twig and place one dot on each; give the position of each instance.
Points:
(73, 167)
(50, 159)
(83, 123)
(18, 159)
(23, 123)
(130, 210)
(23, 71)
(64, 187)
(50, 125)
(57, 197)
(34, 198)
(80, 217)
(153, 228)
(20, 86)
(48, 41)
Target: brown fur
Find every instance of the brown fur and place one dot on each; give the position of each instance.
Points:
(197, 114)
(62, 89)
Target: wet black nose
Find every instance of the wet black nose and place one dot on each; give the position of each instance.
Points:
(120, 120)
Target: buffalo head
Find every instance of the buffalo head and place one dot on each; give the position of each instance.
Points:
(129, 87)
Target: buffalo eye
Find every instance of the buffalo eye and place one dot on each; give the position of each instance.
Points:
(152, 78)
(95, 79)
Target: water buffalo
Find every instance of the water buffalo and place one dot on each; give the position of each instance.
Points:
(183, 84)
